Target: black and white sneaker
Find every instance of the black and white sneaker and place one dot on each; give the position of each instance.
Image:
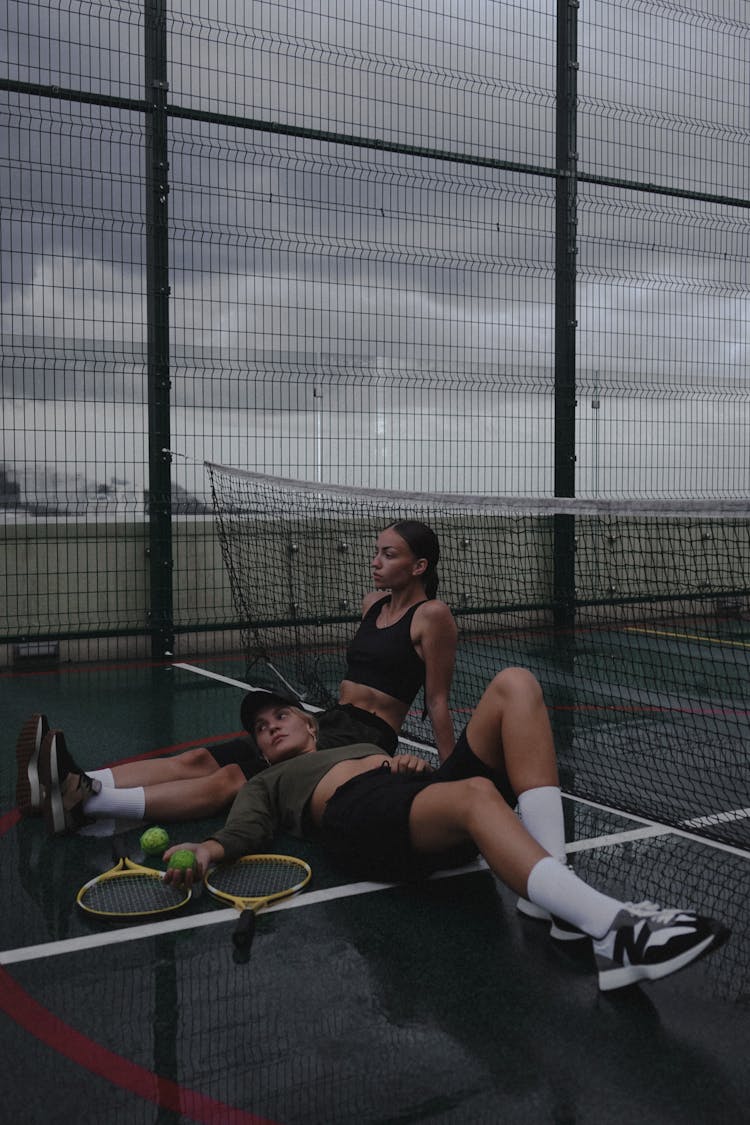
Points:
(28, 788)
(65, 787)
(645, 942)
(559, 930)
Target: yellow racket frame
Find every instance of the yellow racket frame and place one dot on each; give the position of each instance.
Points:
(257, 902)
(250, 905)
(125, 869)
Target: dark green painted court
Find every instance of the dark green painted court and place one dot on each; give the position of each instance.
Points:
(435, 1004)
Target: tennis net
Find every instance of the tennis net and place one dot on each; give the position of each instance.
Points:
(633, 615)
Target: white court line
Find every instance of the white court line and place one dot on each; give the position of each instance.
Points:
(196, 921)
(716, 818)
(223, 679)
(655, 828)
(592, 842)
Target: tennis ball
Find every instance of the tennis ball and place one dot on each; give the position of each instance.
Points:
(183, 860)
(154, 841)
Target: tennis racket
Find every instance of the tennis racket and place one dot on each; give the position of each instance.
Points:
(252, 882)
(129, 891)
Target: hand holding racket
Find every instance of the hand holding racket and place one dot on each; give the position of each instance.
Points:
(128, 891)
(252, 882)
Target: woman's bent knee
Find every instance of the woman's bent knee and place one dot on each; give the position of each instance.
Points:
(476, 791)
(200, 760)
(231, 779)
(514, 683)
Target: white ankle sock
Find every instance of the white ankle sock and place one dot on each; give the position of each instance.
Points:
(541, 814)
(554, 887)
(105, 776)
(117, 802)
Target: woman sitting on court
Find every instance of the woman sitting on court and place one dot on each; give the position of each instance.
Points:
(391, 819)
(406, 640)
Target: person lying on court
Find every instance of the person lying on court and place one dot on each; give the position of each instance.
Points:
(406, 640)
(392, 819)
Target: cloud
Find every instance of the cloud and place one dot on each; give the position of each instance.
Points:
(284, 247)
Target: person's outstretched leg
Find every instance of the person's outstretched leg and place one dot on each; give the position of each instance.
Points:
(155, 771)
(631, 942)
(184, 799)
(72, 799)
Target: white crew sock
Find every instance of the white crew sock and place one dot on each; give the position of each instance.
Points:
(554, 887)
(117, 802)
(105, 776)
(541, 814)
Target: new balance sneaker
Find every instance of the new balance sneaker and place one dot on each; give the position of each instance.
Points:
(559, 929)
(28, 788)
(645, 942)
(65, 786)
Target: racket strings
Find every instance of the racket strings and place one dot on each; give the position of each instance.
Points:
(131, 893)
(257, 879)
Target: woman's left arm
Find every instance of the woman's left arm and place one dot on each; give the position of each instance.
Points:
(435, 640)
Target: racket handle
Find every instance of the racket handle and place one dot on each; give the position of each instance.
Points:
(244, 931)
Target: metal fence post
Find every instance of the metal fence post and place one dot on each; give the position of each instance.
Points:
(565, 308)
(157, 302)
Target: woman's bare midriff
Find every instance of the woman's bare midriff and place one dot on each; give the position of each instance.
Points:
(393, 711)
(338, 775)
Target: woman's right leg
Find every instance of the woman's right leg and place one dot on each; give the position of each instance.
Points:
(510, 728)
(510, 731)
(449, 813)
(631, 942)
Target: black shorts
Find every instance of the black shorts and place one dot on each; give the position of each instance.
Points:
(238, 752)
(365, 826)
(344, 724)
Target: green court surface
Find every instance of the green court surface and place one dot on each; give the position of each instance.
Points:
(359, 1004)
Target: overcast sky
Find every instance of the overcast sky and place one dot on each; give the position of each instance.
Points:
(284, 246)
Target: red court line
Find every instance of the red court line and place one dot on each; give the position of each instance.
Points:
(76, 669)
(651, 709)
(50, 1029)
(113, 666)
(163, 1092)
(7, 820)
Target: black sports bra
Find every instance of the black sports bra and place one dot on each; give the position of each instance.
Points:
(385, 659)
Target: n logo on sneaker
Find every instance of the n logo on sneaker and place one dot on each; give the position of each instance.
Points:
(638, 945)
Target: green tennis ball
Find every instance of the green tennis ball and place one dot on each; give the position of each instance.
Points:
(154, 841)
(183, 860)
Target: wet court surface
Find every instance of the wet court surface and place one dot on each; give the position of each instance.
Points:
(358, 1004)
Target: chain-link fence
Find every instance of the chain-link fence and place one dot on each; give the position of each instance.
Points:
(497, 248)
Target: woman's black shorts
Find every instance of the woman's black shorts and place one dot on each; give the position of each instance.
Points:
(365, 826)
(344, 724)
(238, 752)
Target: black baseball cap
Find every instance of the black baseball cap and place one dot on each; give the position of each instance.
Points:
(263, 697)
